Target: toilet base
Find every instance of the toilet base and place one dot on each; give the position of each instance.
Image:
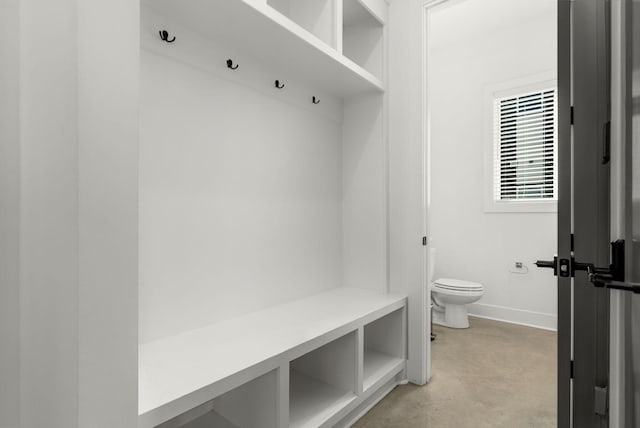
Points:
(453, 316)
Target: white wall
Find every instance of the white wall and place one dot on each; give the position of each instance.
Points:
(465, 58)
(78, 213)
(9, 221)
(364, 230)
(240, 186)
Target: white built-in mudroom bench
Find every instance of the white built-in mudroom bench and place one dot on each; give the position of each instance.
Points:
(264, 295)
(308, 363)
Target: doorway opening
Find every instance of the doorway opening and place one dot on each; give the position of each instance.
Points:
(493, 179)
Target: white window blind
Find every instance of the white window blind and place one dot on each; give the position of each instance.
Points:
(525, 147)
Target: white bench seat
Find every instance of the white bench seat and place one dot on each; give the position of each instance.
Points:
(180, 372)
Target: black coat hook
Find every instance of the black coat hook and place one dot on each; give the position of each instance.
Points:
(230, 64)
(315, 100)
(278, 85)
(164, 35)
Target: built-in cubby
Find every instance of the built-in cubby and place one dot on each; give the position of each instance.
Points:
(251, 405)
(322, 382)
(363, 37)
(300, 362)
(315, 16)
(384, 347)
(263, 249)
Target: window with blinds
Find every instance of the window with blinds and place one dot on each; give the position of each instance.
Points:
(526, 147)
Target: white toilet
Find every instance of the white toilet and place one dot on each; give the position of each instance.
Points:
(450, 298)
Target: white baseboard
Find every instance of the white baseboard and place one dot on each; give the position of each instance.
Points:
(514, 316)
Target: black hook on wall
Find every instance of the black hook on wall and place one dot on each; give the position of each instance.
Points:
(315, 100)
(230, 65)
(278, 85)
(164, 35)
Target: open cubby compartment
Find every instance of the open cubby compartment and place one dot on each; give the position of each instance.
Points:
(322, 382)
(250, 405)
(316, 16)
(363, 37)
(384, 348)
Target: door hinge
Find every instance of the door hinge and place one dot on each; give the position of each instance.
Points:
(424, 240)
(606, 145)
(572, 242)
(571, 115)
(601, 405)
(571, 369)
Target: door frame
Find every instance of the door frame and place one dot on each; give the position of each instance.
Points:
(426, 8)
(619, 132)
(585, 199)
(565, 220)
(408, 158)
(565, 339)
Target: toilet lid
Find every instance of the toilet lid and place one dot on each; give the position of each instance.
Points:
(457, 284)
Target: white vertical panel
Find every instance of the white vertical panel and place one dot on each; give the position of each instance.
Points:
(78, 207)
(359, 360)
(338, 31)
(9, 221)
(48, 214)
(283, 395)
(407, 179)
(108, 80)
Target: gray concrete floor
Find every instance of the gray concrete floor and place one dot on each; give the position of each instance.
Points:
(493, 375)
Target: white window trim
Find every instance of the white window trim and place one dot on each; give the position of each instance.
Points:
(518, 86)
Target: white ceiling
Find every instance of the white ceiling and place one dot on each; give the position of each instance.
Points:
(455, 20)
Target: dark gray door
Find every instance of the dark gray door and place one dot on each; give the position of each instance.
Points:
(583, 210)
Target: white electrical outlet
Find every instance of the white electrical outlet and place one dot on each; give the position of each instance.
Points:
(519, 268)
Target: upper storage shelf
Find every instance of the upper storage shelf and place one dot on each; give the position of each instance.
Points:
(315, 16)
(280, 34)
(363, 36)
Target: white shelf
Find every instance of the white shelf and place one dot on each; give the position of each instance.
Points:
(363, 37)
(178, 373)
(355, 12)
(210, 420)
(254, 27)
(378, 366)
(315, 16)
(312, 402)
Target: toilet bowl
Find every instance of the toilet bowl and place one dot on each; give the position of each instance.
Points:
(450, 299)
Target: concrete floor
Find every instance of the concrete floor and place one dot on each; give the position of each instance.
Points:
(493, 375)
